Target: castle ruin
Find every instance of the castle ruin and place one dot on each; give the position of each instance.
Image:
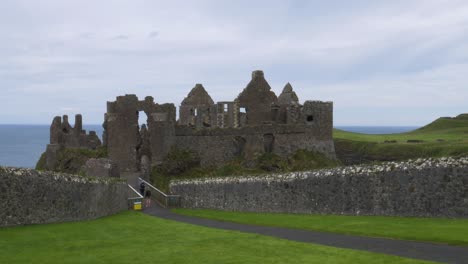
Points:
(256, 122)
(63, 135)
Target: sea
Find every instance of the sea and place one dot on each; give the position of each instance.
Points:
(22, 145)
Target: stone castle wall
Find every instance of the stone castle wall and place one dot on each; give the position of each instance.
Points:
(256, 122)
(63, 135)
(216, 146)
(423, 188)
(34, 197)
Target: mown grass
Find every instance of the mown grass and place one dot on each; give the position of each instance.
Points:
(133, 237)
(439, 230)
(443, 137)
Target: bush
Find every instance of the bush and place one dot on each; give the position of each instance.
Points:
(270, 162)
(41, 163)
(71, 160)
(179, 161)
(183, 164)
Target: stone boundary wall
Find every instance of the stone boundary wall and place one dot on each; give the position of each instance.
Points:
(36, 197)
(423, 188)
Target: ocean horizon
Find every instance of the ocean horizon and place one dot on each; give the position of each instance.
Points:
(22, 145)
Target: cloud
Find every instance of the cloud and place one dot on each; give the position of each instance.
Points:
(366, 56)
(86, 35)
(153, 34)
(70, 109)
(120, 37)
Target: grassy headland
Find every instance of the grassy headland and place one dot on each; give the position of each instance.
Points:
(444, 137)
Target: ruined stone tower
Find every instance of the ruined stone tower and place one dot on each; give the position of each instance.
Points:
(63, 135)
(257, 121)
(124, 138)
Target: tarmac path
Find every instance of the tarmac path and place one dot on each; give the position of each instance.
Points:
(409, 249)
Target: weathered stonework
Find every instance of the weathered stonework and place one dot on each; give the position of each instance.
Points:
(101, 168)
(34, 197)
(123, 136)
(63, 135)
(254, 123)
(423, 188)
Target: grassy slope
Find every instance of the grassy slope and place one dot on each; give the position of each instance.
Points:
(443, 137)
(266, 164)
(71, 160)
(136, 238)
(448, 231)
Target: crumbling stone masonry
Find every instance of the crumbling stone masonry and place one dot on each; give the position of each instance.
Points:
(63, 135)
(101, 168)
(126, 142)
(257, 121)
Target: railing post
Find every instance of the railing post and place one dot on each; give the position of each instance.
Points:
(165, 200)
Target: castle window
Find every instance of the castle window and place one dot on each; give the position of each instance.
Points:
(310, 118)
(196, 112)
(225, 108)
(239, 144)
(242, 110)
(268, 142)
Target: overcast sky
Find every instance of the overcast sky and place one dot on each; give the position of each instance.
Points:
(380, 62)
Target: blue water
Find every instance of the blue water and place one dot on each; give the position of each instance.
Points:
(22, 145)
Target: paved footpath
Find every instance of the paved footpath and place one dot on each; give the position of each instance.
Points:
(408, 249)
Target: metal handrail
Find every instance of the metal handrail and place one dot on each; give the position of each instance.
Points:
(132, 200)
(135, 191)
(156, 189)
(167, 200)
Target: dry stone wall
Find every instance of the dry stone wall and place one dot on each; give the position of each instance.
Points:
(34, 197)
(423, 187)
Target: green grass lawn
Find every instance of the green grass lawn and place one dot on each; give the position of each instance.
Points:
(448, 129)
(133, 237)
(439, 230)
(443, 137)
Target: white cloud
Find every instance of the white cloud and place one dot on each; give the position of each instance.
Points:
(366, 55)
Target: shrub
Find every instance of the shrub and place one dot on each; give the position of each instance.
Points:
(70, 160)
(179, 161)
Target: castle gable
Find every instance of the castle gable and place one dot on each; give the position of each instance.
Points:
(257, 99)
(288, 96)
(198, 96)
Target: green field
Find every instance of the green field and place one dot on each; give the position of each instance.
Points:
(133, 237)
(443, 137)
(439, 230)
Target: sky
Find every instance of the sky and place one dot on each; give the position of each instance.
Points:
(380, 62)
